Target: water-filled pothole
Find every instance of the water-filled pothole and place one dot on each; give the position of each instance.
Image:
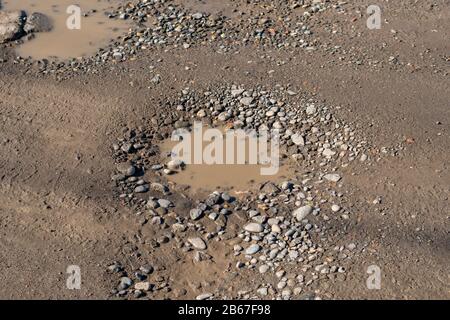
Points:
(96, 29)
(238, 167)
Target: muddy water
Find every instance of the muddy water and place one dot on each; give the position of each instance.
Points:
(236, 178)
(62, 43)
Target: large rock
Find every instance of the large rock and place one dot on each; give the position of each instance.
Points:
(38, 22)
(11, 25)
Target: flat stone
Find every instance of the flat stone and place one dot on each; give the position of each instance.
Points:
(175, 164)
(254, 227)
(164, 203)
(141, 189)
(204, 296)
(246, 101)
(262, 291)
(197, 15)
(264, 268)
(311, 109)
(254, 248)
(195, 214)
(334, 177)
(302, 212)
(126, 169)
(237, 92)
(125, 283)
(298, 139)
(197, 243)
(143, 286)
(335, 208)
(328, 153)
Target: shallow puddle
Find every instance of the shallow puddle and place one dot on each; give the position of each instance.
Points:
(96, 28)
(237, 176)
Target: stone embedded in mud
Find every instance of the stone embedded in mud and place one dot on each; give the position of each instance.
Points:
(237, 92)
(298, 139)
(254, 248)
(195, 214)
(254, 227)
(204, 296)
(333, 177)
(126, 169)
(197, 15)
(197, 243)
(246, 101)
(335, 208)
(302, 212)
(224, 116)
(311, 109)
(270, 188)
(159, 187)
(38, 22)
(175, 164)
(141, 189)
(165, 203)
(328, 153)
(143, 286)
(11, 25)
(125, 283)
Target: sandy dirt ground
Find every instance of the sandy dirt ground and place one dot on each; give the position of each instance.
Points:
(57, 204)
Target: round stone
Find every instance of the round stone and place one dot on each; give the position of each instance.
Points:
(302, 212)
(197, 243)
(126, 169)
(254, 248)
(254, 227)
(175, 164)
(298, 139)
(335, 208)
(195, 214)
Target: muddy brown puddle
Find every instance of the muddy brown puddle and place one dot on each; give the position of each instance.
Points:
(96, 30)
(236, 178)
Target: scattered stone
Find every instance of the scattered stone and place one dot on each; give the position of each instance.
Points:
(254, 227)
(175, 165)
(302, 212)
(204, 296)
(11, 25)
(143, 286)
(125, 283)
(126, 169)
(335, 208)
(141, 189)
(38, 22)
(298, 139)
(165, 203)
(195, 214)
(254, 248)
(197, 243)
(333, 177)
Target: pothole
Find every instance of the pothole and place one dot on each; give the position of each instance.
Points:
(235, 160)
(96, 29)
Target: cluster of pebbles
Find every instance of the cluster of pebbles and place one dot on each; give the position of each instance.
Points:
(276, 229)
(164, 24)
(308, 130)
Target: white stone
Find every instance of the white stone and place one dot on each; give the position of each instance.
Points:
(334, 177)
(302, 212)
(197, 243)
(254, 227)
(298, 139)
(254, 248)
